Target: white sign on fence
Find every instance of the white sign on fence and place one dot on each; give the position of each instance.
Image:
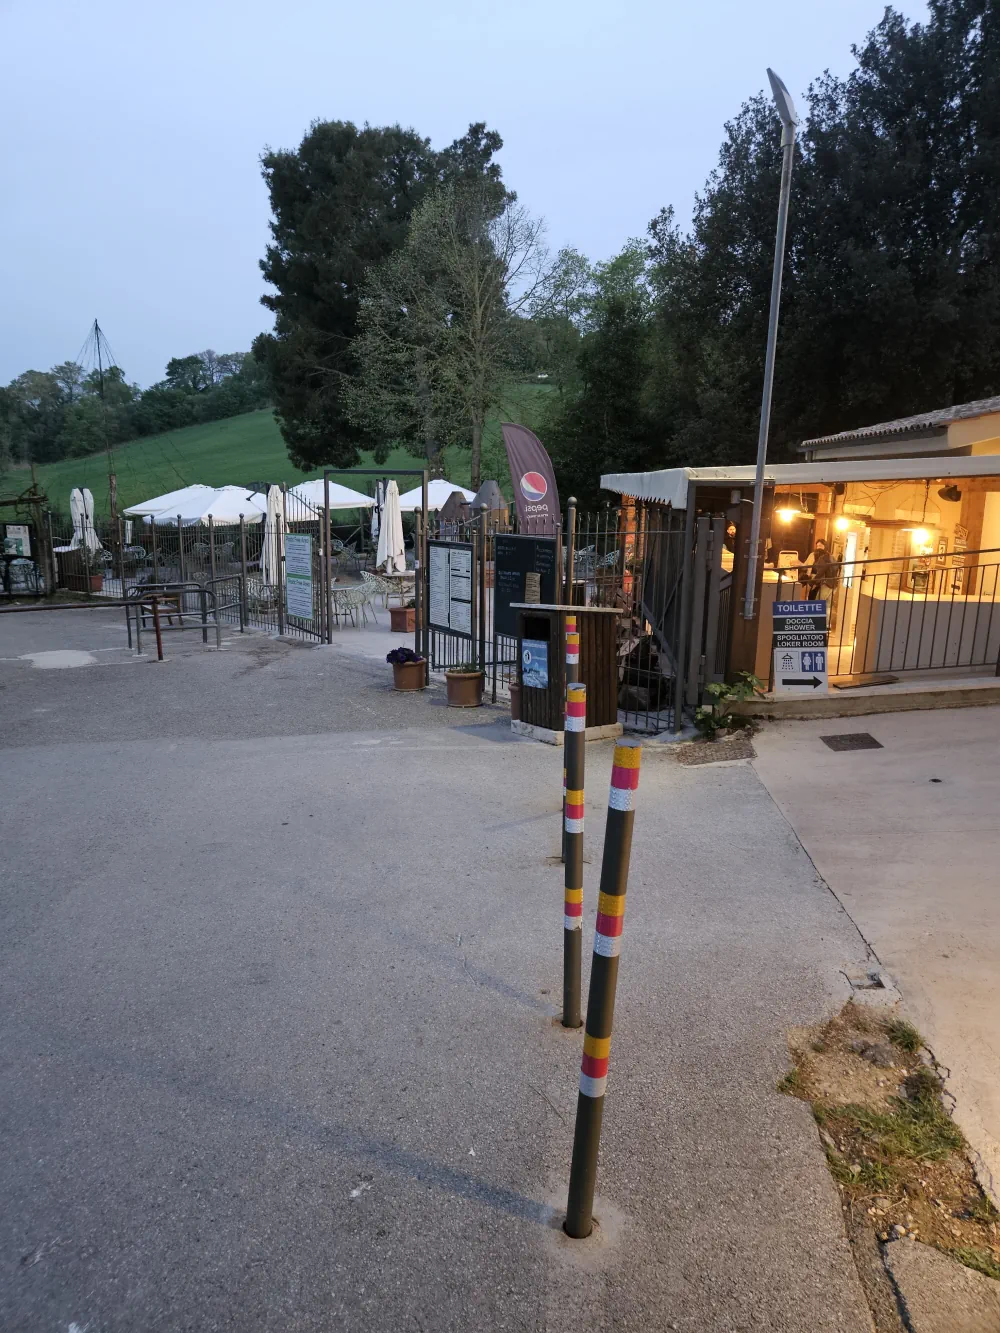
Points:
(298, 575)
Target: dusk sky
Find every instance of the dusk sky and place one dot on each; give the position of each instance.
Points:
(132, 133)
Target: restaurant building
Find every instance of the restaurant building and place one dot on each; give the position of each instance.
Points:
(909, 513)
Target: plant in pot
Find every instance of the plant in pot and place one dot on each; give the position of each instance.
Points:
(465, 685)
(403, 619)
(408, 669)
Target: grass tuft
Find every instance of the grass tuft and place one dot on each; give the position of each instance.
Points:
(904, 1035)
(791, 1083)
(981, 1260)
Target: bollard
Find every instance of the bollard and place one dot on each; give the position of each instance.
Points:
(572, 674)
(156, 627)
(575, 745)
(603, 982)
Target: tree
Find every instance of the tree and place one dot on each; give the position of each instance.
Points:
(605, 426)
(341, 203)
(558, 316)
(442, 328)
(69, 376)
(187, 373)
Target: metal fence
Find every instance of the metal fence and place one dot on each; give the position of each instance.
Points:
(631, 558)
(908, 613)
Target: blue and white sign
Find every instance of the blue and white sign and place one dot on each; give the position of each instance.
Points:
(535, 664)
(799, 644)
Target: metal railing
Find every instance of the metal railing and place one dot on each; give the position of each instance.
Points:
(930, 612)
(171, 600)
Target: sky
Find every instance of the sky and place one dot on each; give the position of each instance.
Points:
(132, 134)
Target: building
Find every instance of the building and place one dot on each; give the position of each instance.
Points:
(909, 511)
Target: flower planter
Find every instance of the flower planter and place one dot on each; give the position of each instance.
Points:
(515, 701)
(402, 619)
(85, 583)
(408, 675)
(465, 688)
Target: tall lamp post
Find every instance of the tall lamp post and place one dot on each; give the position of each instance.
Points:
(789, 121)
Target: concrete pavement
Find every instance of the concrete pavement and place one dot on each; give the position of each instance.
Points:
(907, 837)
(278, 1035)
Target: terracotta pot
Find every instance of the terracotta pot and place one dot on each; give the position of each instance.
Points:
(515, 701)
(402, 619)
(465, 688)
(408, 675)
(81, 583)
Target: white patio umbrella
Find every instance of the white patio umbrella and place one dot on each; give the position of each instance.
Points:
(341, 497)
(225, 504)
(171, 502)
(81, 510)
(391, 554)
(270, 556)
(438, 491)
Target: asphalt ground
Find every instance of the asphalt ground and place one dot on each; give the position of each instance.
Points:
(279, 1045)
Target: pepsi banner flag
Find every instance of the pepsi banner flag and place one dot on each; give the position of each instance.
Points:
(533, 480)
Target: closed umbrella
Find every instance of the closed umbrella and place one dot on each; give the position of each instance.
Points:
(391, 554)
(270, 556)
(377, 510)
(81, 509)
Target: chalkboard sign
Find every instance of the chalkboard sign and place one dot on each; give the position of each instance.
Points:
(515, 557)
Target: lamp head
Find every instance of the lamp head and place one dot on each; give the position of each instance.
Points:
(786, 108)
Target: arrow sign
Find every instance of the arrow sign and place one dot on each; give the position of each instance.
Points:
(814, 681)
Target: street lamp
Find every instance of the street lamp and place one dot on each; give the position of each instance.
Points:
(789, 121)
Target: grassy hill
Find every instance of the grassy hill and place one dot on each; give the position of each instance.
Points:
(241, 450)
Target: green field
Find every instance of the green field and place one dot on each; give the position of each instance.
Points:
(238, 451)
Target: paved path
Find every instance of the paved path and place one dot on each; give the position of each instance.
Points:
(278, 1036)
(908, 838)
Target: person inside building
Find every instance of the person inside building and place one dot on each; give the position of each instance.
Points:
(821, 574)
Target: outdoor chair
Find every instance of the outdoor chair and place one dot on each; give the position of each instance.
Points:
(378, 588)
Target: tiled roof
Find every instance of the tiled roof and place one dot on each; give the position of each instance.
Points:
(936, 421)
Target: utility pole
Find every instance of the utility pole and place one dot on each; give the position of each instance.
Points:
(789, 122)
(112, 478)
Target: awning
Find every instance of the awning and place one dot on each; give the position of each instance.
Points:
(670, 486)
(438, 491)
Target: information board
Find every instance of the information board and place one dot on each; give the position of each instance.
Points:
(449, 602)
(799, 643)
(298, 575)
(17, 540)
(514, 558)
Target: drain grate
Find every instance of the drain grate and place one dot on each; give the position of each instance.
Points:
(852, 740)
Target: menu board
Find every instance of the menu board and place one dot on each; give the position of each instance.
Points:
(298, 575)
(449, 601)
(515, 557)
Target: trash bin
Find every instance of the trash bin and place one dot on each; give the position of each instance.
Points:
(541, 643)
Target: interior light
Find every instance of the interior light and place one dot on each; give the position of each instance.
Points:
(842, 524)
(920, 536)
(786, 515)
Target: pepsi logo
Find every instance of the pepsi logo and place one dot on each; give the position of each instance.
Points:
(534, 487)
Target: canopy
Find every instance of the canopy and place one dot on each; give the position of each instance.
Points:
(438, 491)
(224, 504)
(172, 502)
(391, 555)
(341, 497)
(670, 486)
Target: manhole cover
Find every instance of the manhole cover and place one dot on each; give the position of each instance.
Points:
(852, 740)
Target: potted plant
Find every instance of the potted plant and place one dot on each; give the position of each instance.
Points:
(465, 685)
(408, 669)
(82, 582)
(403, 619)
